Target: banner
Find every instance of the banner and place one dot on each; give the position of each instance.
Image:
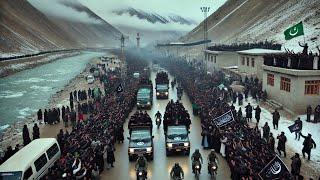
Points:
(275, 169)
(119, 88)
(295, 127)
(224, 119)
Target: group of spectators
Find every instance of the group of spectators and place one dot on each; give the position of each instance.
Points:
(51, 116)
(245, 46)
(176, 114)
(246, 151)
(292, 60)
(316, 114)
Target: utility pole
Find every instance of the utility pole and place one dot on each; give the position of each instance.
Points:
(138, 40)
(123, 67)
(205, 11)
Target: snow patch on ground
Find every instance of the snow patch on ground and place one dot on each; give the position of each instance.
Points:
(284, 122)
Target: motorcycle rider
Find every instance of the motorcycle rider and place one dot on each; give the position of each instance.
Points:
(141, 164)
(212, 158)
(176, 171)
(158, 115)
(196, 157)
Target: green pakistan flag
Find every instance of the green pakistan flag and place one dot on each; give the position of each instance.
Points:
(294, 31)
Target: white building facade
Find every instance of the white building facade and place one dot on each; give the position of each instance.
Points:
(294, 89)
(216, 60)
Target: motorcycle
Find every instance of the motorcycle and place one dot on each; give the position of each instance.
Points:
(213, 169)
(141, 174)
(197, 169)
(176, 178)
(158, 121)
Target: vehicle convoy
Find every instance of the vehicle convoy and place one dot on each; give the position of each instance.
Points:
(145, 94)
(177, 140)
(162, 85)
(141, 138)
(32, 161)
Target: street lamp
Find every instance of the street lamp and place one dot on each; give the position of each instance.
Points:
(205, 11)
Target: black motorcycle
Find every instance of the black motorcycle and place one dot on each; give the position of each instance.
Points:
(141, 174)
(212, 167)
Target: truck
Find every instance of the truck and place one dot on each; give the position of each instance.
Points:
(162, 85)
(140, 142)
(145, 94)
(177, 140)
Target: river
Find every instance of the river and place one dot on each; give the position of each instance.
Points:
(23, 93)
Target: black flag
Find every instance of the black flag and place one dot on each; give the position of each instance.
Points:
(224, 119)
(119, 88)
(295, 127)
(275, 169)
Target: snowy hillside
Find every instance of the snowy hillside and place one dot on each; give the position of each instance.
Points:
(26, 27)
(251, 20)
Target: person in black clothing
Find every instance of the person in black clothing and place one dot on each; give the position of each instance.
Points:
(45, 116)
(282, 144)
(308, 144)
(305, 49)
(271, 142)
(275, 119)
(257, 113)
(248, 112)
(36, 132)
(240, 99)
(39, 114)
(309, 113)
(316, 114)
(25, 135)
(297, 133)
(295, 165)
(266, 131)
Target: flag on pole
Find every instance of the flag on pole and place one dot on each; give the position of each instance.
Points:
(275, 169)
(294, 31)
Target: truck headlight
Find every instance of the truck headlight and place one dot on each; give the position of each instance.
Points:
(158, 93)
(131, 150)
(138, 103)
(149, 149)
(166, 93)
(148, 103)
(186, 144)
(169, 145)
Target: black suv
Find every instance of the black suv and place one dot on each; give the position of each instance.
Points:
(140, 142)
(177, 140)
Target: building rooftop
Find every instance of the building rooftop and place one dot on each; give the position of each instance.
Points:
(258, 52)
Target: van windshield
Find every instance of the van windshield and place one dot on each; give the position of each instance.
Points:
(17, 175)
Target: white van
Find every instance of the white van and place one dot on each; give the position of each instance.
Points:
(90, 79)
(32, 161)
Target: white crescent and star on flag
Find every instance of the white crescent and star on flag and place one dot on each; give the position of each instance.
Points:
(294, 32)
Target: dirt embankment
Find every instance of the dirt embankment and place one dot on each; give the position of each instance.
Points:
(10, 67)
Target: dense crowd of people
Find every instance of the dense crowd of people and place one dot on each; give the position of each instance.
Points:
(140, 118)
(176, 114)
(245, 46)
(246, 151)
(303, 61)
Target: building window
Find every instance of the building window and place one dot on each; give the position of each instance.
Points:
(247, 61)
(242, 62)
(211, 58)
(270, 79)
(312, 87)
(285, 84)
(215, 59)
(252, 62)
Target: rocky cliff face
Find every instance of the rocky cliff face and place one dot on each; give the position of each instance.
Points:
(24, 30)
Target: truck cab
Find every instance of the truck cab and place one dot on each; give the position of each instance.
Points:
(162, 91)
(140, 142)
(177, 140)
(144, 98)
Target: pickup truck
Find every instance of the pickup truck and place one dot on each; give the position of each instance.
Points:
(140, 142)
(144, 97)
(177, 140)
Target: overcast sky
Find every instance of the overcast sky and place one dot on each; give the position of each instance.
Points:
(189, 9)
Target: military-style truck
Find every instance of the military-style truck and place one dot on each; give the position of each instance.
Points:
(162, 85)
(177, 140)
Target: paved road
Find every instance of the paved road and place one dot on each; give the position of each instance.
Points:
(160, 167)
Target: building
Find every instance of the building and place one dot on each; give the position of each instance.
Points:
(216, 60)
(294, 89)
(250, 62)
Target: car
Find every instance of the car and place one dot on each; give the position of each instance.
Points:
(140, 142)
(90, 79)
(177, 140)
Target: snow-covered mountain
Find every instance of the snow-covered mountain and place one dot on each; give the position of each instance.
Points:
(256, 20)
(154, 17)
(28, 27)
